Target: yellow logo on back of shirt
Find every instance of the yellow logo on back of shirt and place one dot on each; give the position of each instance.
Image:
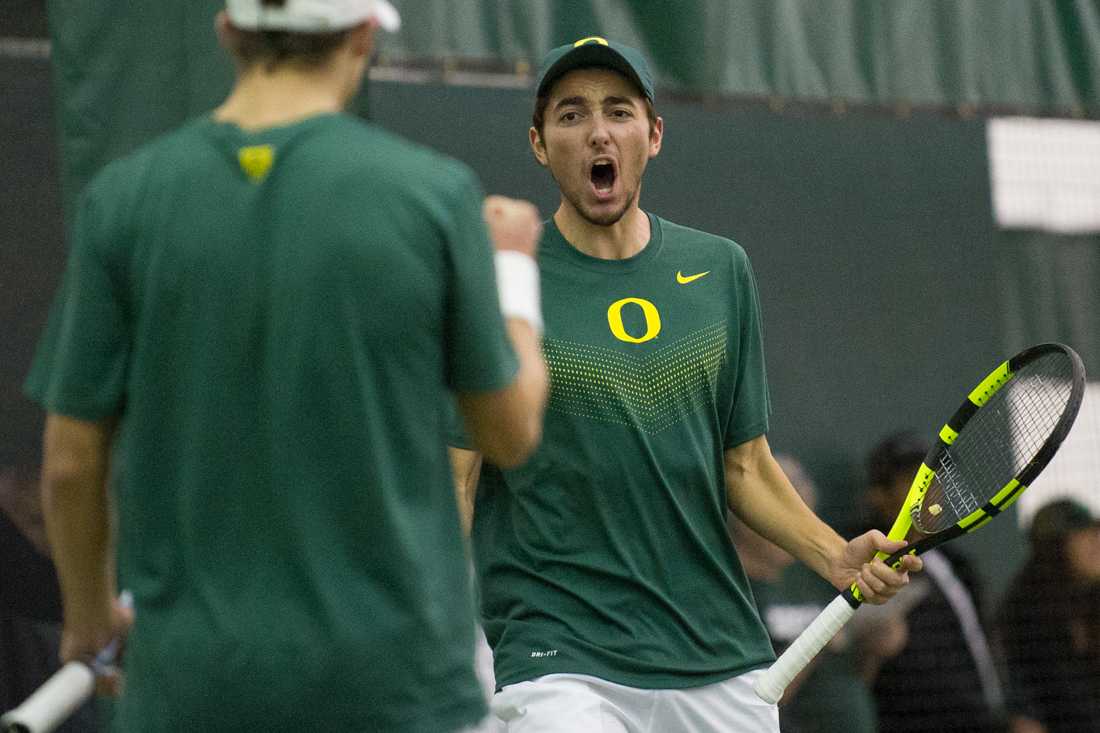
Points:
(256, 161)
(652, 320)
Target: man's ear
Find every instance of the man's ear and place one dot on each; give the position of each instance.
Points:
(538, 147)
(224, 30)
(656, 136)
(362, 37)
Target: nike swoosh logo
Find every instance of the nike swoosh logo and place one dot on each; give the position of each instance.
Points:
(685, 279)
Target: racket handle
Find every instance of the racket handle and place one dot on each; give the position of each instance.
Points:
(769, 686)
(53, 702)
(59, 696)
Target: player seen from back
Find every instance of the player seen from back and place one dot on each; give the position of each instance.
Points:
(260, 321)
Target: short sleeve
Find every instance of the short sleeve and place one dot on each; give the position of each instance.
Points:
(81, 363)
(749, 408)
(479, 353)
(457, 437)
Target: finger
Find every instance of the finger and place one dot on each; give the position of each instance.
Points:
(884, 544)
(108, 683)
(871, 585)
(888, 575)
(869, 596)
(912, 563)
(884, 581)
(73, 650)
(882, 578)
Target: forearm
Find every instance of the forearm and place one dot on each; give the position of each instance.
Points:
(506, 425)
(75, 508)
(760, 494)
(532, 381)
(466, 470)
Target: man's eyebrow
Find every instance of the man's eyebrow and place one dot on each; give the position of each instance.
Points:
(577, 101)
(618, 100)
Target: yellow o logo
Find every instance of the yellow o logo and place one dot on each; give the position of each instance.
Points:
(590, 39)
(652, 320)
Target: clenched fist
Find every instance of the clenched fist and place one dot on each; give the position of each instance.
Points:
(513, 224)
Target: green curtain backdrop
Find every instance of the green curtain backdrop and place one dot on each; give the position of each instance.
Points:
(125, 71)
(1049, 287)
(1018, 53)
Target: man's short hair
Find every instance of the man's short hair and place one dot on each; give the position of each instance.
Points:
(273, 48)
(278, 48)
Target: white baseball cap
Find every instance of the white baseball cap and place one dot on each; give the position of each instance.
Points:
(311, 16)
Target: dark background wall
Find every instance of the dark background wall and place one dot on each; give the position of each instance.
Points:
(32, 247)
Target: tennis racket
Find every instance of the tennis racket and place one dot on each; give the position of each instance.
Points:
(70, 687)
(988, 453)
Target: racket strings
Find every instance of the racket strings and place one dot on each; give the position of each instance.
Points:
(997, 443)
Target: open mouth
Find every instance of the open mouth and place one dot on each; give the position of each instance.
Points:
(603, 176)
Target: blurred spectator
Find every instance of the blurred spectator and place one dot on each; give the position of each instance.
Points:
(829, 695)
(30, 603)
(1087, 634)
(945, 677)
(1088, 630)
(1050, 625)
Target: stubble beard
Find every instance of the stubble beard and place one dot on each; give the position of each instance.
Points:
(605, 219)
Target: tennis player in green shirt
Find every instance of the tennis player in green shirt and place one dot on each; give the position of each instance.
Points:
(260, 321)
(611, 593)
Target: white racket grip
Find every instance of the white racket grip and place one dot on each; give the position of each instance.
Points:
(53, 702)
(769, 686)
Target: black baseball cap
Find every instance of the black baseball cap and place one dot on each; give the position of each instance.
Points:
(595, 51)
(1058, 518)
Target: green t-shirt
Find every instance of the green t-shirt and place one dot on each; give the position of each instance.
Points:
(832, 697)
(277, 317)
(607, 553)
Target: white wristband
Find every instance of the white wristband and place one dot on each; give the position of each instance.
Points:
(518, 287)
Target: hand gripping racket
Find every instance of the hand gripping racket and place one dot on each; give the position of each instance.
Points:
(70, 687)
(991, 449)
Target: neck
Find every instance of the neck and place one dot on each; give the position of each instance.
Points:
(263, 98)
(619, 241)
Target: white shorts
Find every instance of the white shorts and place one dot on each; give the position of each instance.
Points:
(573, 703)
(483, 665)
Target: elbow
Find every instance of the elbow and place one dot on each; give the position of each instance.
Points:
(513, 447)
(527, 441)
(507, 425)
